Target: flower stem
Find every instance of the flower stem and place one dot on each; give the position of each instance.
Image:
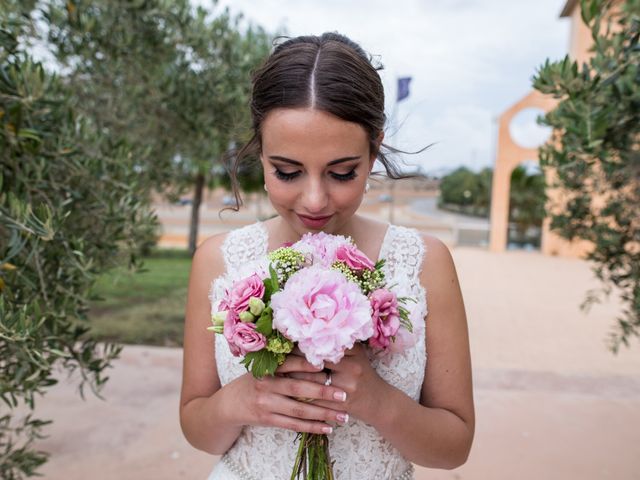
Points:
(312, 459)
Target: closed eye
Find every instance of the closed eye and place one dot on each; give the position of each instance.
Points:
(286, 177)
(341, 177)
(345, 177)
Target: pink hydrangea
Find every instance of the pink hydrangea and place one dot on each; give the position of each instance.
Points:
(353, 257)
(386, 318)
(320, 248)
(322, 311)
(244, 338)
(242, 291)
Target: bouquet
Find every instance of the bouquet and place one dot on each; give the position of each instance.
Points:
(321, 294)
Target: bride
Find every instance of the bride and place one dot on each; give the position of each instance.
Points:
(318, 118)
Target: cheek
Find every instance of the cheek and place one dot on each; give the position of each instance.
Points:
(281, 192)
(349, 194)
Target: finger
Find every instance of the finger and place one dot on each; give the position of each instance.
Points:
(320, 378)
(298, 425)
(291, 387)
(305, 411)
(294, 363)
(341, 366)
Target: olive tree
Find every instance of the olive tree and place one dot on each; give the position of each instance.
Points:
(594, 154)
(72, 206)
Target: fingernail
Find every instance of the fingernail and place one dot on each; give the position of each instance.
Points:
(343, 417)
(327, 430)
(342, 396)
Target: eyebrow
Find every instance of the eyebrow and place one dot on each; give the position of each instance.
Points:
(295, 162)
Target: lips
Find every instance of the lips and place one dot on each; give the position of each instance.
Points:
(314, 222)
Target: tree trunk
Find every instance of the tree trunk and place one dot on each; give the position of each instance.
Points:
(195, 213)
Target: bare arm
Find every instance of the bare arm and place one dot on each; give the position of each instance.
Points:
(204, 418)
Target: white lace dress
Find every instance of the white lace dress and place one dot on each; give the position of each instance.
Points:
(264, 453)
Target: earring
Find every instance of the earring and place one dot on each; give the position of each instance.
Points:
(367, 187)
(265, 188)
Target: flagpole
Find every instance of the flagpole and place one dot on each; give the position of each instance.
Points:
(402, 92)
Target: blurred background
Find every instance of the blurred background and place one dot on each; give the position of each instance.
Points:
(118, 122)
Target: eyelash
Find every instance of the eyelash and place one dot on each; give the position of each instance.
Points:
(287, 177)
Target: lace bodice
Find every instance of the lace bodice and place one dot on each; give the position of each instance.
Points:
(357, 448)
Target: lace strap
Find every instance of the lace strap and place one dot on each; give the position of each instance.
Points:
(404, 252)
(244, 245)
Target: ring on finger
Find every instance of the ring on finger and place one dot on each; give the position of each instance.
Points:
(327, 382)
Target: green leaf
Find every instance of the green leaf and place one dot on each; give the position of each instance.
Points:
(29, 133)
(274, 279)
(268, 290)
(264, 323)
(261, 363)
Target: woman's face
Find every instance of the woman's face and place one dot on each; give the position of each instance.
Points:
(315, 168)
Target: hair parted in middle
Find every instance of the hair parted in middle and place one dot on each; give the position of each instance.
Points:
(330, 73)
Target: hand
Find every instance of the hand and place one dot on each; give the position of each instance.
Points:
(354, 375)
(277, 401)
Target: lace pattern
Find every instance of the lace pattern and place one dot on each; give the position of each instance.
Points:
(357, 448)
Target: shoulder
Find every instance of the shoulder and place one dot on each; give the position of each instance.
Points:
(208, 261)
(210, 249)
(438, 272)
(435, 249)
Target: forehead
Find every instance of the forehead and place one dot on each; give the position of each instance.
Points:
(302, 134)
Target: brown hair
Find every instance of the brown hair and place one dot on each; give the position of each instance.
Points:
(329, 72)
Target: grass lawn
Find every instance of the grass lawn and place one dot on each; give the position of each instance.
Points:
(146, 307)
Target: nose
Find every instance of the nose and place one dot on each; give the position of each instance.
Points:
(315, 197)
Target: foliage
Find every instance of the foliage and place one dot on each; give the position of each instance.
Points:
(175, 81)
(119, 58)
(594, 153)
(526, 200)
(460, 187)
(71, 206)
(470, 193)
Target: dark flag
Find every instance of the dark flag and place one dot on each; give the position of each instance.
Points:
(403, 88)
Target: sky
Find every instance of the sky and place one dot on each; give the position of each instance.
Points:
(469, 62)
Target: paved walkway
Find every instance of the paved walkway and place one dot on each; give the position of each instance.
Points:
(551, 401)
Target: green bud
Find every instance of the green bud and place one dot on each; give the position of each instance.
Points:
(216, 329)
(256, 306)
(219, 318)
(280, 345)
(246, 317)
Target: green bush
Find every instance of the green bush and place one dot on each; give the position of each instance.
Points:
(71, 207)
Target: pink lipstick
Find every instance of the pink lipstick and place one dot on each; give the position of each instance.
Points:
(314, 222)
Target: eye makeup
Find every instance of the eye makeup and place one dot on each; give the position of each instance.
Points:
(341, 177)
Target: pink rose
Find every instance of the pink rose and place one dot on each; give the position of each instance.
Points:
(322, 311)
(386, 318)
(242, 291)
(228, 330)
(404, 338)
(224, 302)
(245, 339)
(353, 257)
